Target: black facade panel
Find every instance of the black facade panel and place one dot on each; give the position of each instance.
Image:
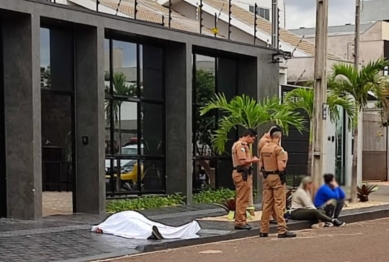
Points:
(3, 181)
(296, 144)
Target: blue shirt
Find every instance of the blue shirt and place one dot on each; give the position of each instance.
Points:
(326, 193)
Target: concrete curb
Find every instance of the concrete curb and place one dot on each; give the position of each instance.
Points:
(351, 216)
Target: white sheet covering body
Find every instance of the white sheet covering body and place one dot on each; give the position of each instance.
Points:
(131, 224)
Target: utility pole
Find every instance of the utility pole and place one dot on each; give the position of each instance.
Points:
(320, 110)
(274, 24)
(357, 26)
(356, 176)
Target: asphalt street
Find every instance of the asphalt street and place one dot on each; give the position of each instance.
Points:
(357, 242)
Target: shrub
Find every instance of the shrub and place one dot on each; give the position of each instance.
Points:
(147, 202)
(364, 191)
(213, 196)
(154, 202)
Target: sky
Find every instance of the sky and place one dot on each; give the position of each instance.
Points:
(302, 13)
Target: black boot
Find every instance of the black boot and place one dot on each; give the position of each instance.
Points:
(287, 235)
(274, 222)
(156, 234)
(263, 235)
(338, 223)
(245, 227)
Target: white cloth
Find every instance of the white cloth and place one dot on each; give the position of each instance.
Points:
(131, 224)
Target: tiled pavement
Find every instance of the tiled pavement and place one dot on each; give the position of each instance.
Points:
(68, 237)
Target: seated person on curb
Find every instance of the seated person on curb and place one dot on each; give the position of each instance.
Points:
(330, 197)
(303, 208)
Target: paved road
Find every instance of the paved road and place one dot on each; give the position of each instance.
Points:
(366, 241)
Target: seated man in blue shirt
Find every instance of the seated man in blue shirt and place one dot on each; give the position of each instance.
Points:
(330, 197)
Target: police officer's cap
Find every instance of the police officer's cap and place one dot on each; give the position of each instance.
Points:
(275, 129)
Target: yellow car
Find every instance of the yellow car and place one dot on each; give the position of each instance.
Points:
(128, 176)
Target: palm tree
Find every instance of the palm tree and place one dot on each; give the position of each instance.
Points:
(246, 112)
(303, 99)
(120, 88)
(357, 84)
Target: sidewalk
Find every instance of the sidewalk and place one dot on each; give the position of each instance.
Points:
(68, 237)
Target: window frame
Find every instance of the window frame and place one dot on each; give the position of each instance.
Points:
(140, 101)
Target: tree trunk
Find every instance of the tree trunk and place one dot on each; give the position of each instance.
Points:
(360, 147)
(309, 163)
(354, 175)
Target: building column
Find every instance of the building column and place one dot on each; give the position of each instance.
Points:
(258, 78)
(21, 62)
(90, 123)
(227, 83)
(178, 92)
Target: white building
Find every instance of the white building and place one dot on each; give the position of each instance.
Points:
(264, 8)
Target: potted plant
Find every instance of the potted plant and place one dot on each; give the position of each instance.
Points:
(364, 191)
(230, 206)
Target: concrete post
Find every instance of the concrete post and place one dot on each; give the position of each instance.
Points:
(22, 116)
(227, 83)
(178, 92)
(320, 110)
(259, 79)
(90, 124)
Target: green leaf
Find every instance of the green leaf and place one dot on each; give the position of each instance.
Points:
(246, 112)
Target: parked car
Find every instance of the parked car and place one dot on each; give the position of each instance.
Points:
(128, 169)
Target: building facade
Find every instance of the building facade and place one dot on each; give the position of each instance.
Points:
(88, 96)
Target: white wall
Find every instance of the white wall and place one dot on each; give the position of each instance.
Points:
(263, 4)
(330, 146)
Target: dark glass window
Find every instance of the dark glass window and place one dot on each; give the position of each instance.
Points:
(262, 12)
(57, 54)
(57, 106)
(135, 118)
(210, 75)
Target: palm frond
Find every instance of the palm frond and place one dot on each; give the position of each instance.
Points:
(218, 102)
(246, 112)
(220, 137)
(347, 80)
(301, 98)
(337, 103)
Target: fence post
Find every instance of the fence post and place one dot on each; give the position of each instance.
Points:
(255, 22)
(170, 13)
(135, 8)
